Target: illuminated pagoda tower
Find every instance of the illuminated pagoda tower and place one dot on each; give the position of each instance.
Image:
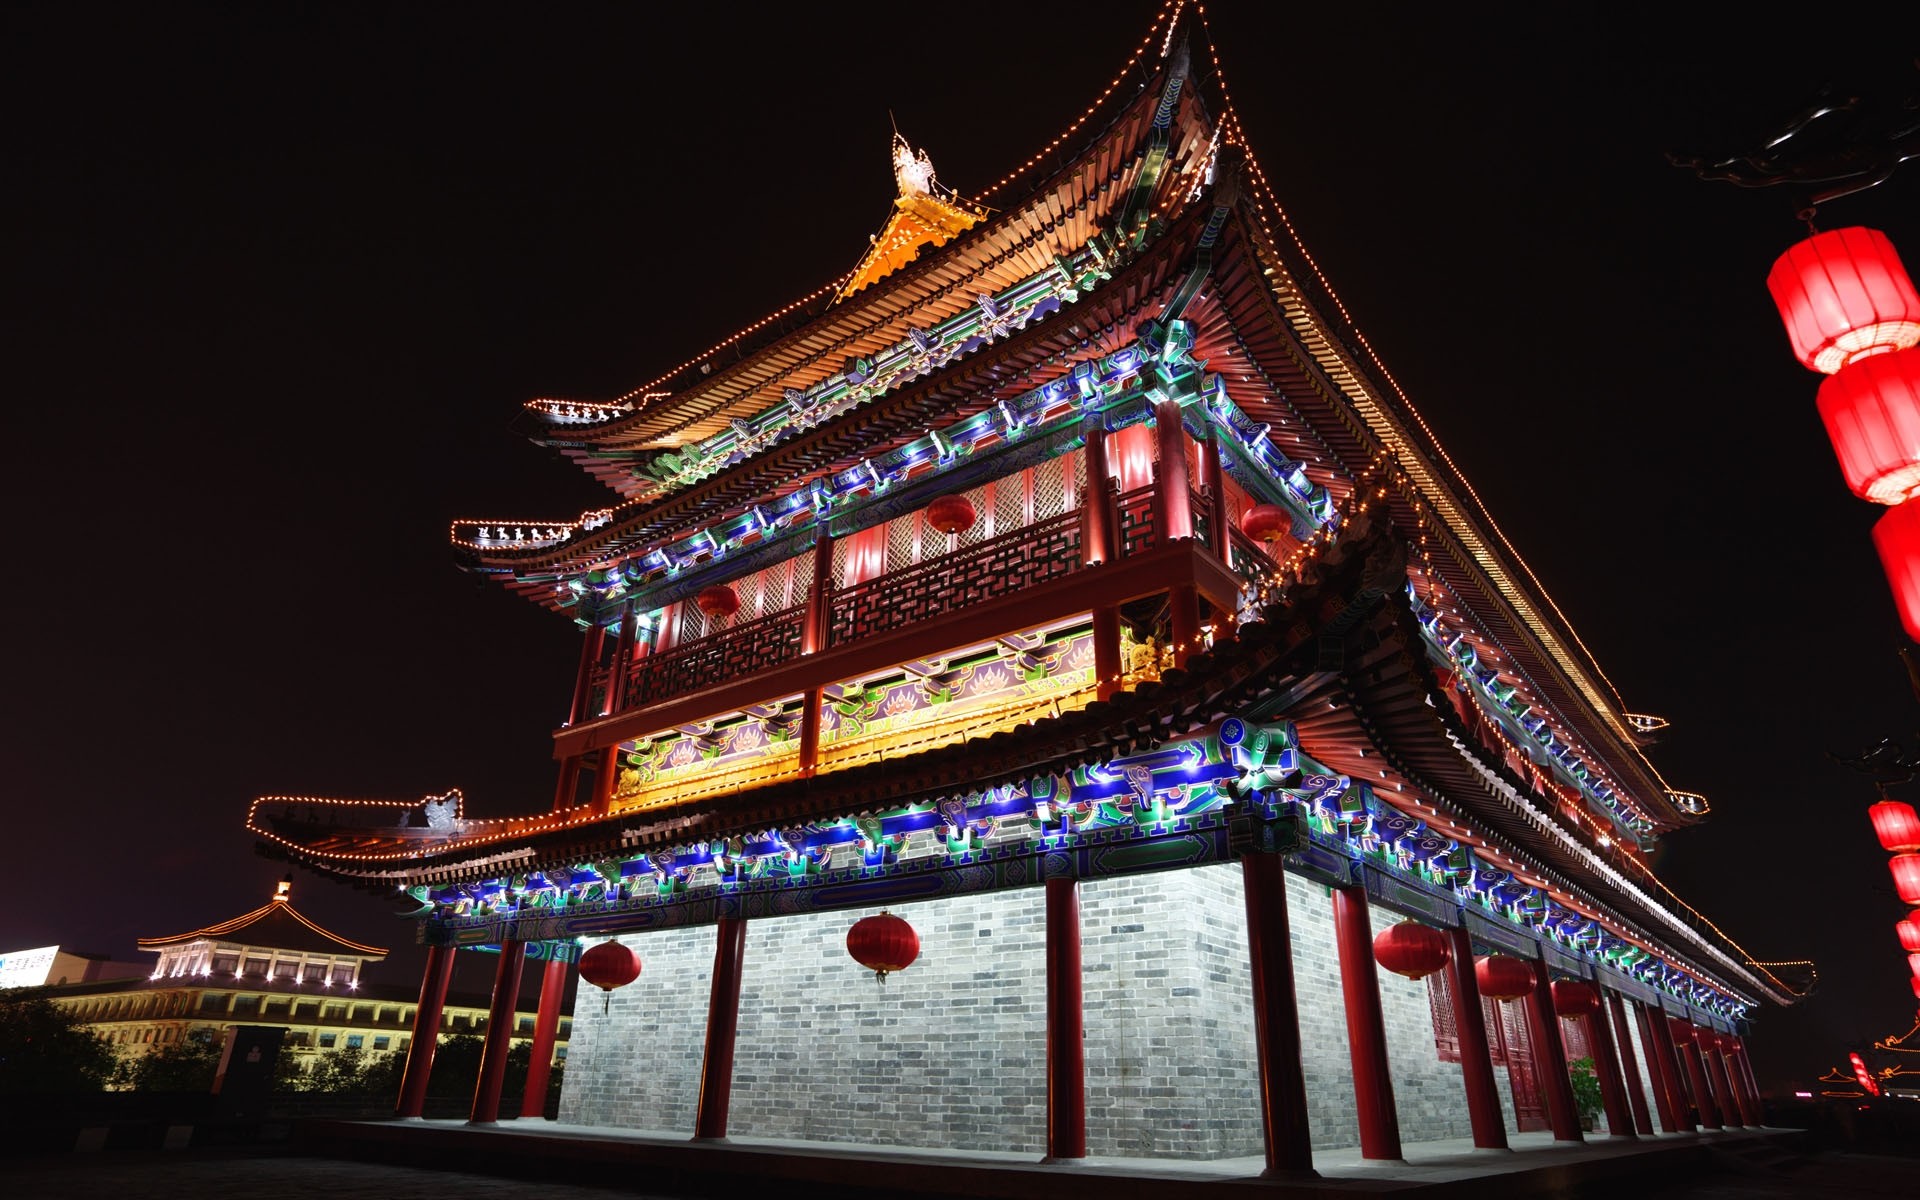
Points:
(1072, 581)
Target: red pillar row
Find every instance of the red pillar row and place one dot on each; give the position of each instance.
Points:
(426, 1032)
(1476, 1058)
(1752, 1085)
(1684, 1033)
(1719, 1080)
(500, 1017)
(1366, 1029)
(1606, 1065)
(1616, 1012)
(1561, 1113)
(1665, 1060)
(1066, 1027)
(1276, 1017)
(546, 1024)
(723, 1026)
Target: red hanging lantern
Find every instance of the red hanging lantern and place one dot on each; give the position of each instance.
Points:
(952, 514)
(1906, 877)
(1844, 296)
(1503, 977)
(1574, 998)
(718, 601)
(1411, 949)
(1897, 537)
(1872, 413)
(1913, 961)
(1896, 825)
(1915, 981)
(883, 944)
(608, 966)
(1909, 933)
(1266, 523)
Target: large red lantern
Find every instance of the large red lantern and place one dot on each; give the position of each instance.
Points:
(1574, 998)
(718, 601)
(1411, 949)
(1897, 537)
(1909, 933)
(1906, 877)
(1872, 413)
(1844, 296)
(1913, 961)
(1503, 977)
(1896, 825)
(1915, 981)
(608, 966)
(1266, 523)
(952, 514)
(883, 944)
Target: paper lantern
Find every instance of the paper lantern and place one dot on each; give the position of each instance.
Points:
(1872, 413)
(1844, 296)
(1896, 825)
(1411, 949)
(1906, 877)
(718, 602)
(952, 514)
(608, 966)
(1503, 977)
(1266, 523)
(1897, 537)
(883, 944)
(1574, 998)
(1915, 981)
(1908, 932)
(1913, 962)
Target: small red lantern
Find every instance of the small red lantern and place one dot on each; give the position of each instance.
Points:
(608, 966)
(883, 944)
(1913, 961)
(718, 601)
(1844, 296)
(1906, 877)
(1909, 934)
(1897, 537)
(1574, 998)
(1872, 413)
(1915, 981)
(1503, 977)
(952, 514)
(1896, 825)
(1266, 523)
(1411, 949)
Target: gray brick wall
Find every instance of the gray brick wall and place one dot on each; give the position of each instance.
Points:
(952, 1051)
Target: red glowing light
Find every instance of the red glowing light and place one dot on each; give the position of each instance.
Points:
(1896, 825)
(883, 944)
(1843, 296)
(1411, 949)
(1909, 933)
(1897, 537)
(1266, 523)
(1906, 877)
(1872, 413)
(610, 965)
(718, 601)
(952, 514)
(1503, 977)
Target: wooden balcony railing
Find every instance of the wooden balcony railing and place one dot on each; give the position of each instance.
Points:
(720, 656)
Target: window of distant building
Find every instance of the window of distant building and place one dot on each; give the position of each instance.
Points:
(383, 1042)
(326, 1041)
(356, 1041)
(255, 966)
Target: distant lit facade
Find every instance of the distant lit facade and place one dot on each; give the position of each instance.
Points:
(1071, 580)
(270, 966)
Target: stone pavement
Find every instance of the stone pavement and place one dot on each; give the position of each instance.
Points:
(447, 1160)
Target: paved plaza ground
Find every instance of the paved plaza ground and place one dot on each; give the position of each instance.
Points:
(558, 1163)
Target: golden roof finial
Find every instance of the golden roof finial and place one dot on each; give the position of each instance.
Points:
(924, 213)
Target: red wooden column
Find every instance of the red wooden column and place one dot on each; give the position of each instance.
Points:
(1606, 1064)
(590, 647)
(610, 703)
(1616, 1010)
(1684, 1037)
(426, 1032)
(813, 639)
(1718, 1079)
(1551, 1058)
(1276, 1016)
(1366, 1030)
(1747, 1080)
(1173, 494)
(1066, 1024)
(1476, 1059)
(1662, 1059)
(500, 1019)
(1099, 543)
(1214, 478)
(723, 1026)
(546, 1024)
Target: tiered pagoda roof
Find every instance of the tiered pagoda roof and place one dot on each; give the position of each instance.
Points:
(275, 925)
(1471, 701)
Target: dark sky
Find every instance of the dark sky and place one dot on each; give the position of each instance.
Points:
(276, 281)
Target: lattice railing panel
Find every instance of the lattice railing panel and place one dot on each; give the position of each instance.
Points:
(1139, 523)
(730, 654)
(1020, 559)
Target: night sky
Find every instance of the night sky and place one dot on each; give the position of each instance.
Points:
(277, 280)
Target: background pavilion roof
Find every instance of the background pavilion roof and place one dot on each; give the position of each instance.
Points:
(275, 925)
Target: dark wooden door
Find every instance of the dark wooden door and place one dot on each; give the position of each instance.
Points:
(1529, 1107)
